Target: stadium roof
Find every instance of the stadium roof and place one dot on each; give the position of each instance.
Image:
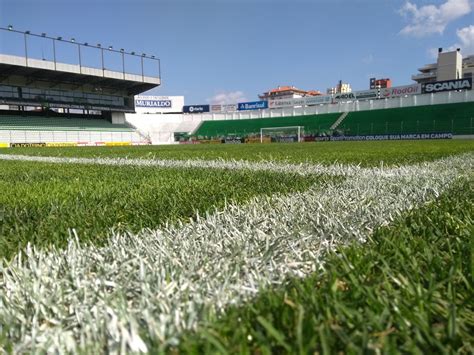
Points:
(43, 70)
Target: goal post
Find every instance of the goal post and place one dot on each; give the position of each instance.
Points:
(282, 134)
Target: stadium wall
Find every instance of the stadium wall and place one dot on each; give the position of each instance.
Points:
(387, 103)
(161, 128)
(58, 136)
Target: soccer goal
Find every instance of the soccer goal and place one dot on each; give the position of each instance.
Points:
(288, 134)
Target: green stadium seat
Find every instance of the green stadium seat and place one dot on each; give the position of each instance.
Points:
(36, 123)
(453, 118)
(312, 124)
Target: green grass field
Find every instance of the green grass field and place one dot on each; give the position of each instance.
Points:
(109, 255)
(44, 201)
(365, 153)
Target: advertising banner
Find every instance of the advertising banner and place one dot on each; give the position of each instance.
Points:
(398, 91)
(210, 141)
(367, 94)
(233, 140)
(153, 103)
(62, 144)
(317, 100)
(286, 139)
(158, 104)
(18, 145)
(217, 108)
(196, 109)
(346, 96)
(258, 140)
(254, 105)
(356, 95)
(391, 137)
(280, 103)
(303, 101)
(224, 108)
(4, 145)
(117, 144)
(448, 85)
(299, 102)
(229, 107)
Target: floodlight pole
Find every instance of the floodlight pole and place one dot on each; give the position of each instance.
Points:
(123, 63)
(102, 56)
(26, 49)
(80, 60)
(143, 73)
(54, 52)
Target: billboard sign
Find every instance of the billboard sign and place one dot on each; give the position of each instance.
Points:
(196, 108)
(303, 101)
(346, 96)
(158, 104)
(356, 95)
(216, 108)
(280, 103)
(229, 107)
(152, 103)
(254, 105)
(317, 100)
(391, 137)
(448, 85)
(223, 108)
(398, 91)
(367, 94)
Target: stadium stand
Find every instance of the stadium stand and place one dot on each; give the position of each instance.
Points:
(453, 118)
(36, 127)
(456, 118)
(11, 122)
(313, 124)
(46, 102)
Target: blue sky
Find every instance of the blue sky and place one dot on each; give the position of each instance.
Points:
(233, 50)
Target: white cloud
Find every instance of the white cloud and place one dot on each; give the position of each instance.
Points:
(465, 42)
(431, 19)
(227, 97)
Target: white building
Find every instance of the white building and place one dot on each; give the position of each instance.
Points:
(287, 92)
(468, 67)
(449, 66)
(340, 88)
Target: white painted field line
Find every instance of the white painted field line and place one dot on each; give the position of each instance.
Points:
(163, 282)
(279, 167)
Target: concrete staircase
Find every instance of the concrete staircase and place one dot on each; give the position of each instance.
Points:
(339, 120)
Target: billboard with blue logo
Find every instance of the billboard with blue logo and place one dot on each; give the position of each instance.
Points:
(196, 108)
(254, 105)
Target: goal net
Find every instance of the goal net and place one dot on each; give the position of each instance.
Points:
(288, 134)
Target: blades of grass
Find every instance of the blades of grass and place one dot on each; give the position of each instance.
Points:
(275, 334)
(212, 338)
